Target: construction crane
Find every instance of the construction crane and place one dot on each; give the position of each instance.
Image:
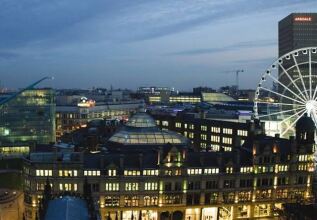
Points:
(22, 90)
(237, 76)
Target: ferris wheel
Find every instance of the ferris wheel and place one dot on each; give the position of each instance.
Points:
(288, 89)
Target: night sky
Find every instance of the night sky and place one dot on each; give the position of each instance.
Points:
(131, 43)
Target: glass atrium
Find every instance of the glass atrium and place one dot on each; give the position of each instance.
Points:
(142, 130)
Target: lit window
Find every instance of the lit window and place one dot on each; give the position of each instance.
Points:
(215, 138)
(246, 169)
(226, 140)
(112, 187)
(227, 148)
(211, 170)
(44, 173)
(215, 147)
(203, 145)
(178, 125)
(131, 186)
(112, 172)
(229, 169)
(150, 186)
(165, 123)
(243, 133)
(227, 130)
(194, 171)
(203, 137)
(215, 129)
(150, 172)
(191, 135)
(91, 172)
(132, 173)
(203, 128)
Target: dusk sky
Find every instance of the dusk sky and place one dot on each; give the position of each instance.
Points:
(131, 43)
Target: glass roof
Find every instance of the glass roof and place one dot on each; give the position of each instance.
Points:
(141, 129)
(141, 120)
(67, 208)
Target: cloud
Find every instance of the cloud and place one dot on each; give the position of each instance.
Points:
(4, 55)
(237, 46)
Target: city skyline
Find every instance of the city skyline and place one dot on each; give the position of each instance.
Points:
(141, 43)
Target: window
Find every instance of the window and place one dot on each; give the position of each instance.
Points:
(211, 184)
(244, 196)
(131, 201)
(229, 184)
(246, 169)
(194, 171)
(44, 173)
(264, 182)
(246, 183)
(282, 168)
(165, 123)
(193, 185)
(91, 172)
(227, 130)
(215, 129)
(150, 200)
(132, 173)
(203, 128)
(112, 172)
(131, 186)
(211, 170)
(191, 135)
(229, 169)
(191, 127)
(243, 133)
(178, 125)
(178, 186)
(215, 147)
(203, 137)
(150, 186)
(68, 187)
(150, 172)
(112, 187)
(281, 181)
(168, 186)
(203, 145)
(226, 140)
(112, 200)
(225, 148)
(211, 198)
(215, 138)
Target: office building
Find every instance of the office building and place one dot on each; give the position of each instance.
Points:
(297, 30)
(75, 116)
(26, 119)
(148, 179)
(207, 134)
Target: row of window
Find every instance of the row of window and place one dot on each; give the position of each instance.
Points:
(190, 171)
(210, 198)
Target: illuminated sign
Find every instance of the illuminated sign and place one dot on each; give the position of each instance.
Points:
(84, 102)
(302, 19)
